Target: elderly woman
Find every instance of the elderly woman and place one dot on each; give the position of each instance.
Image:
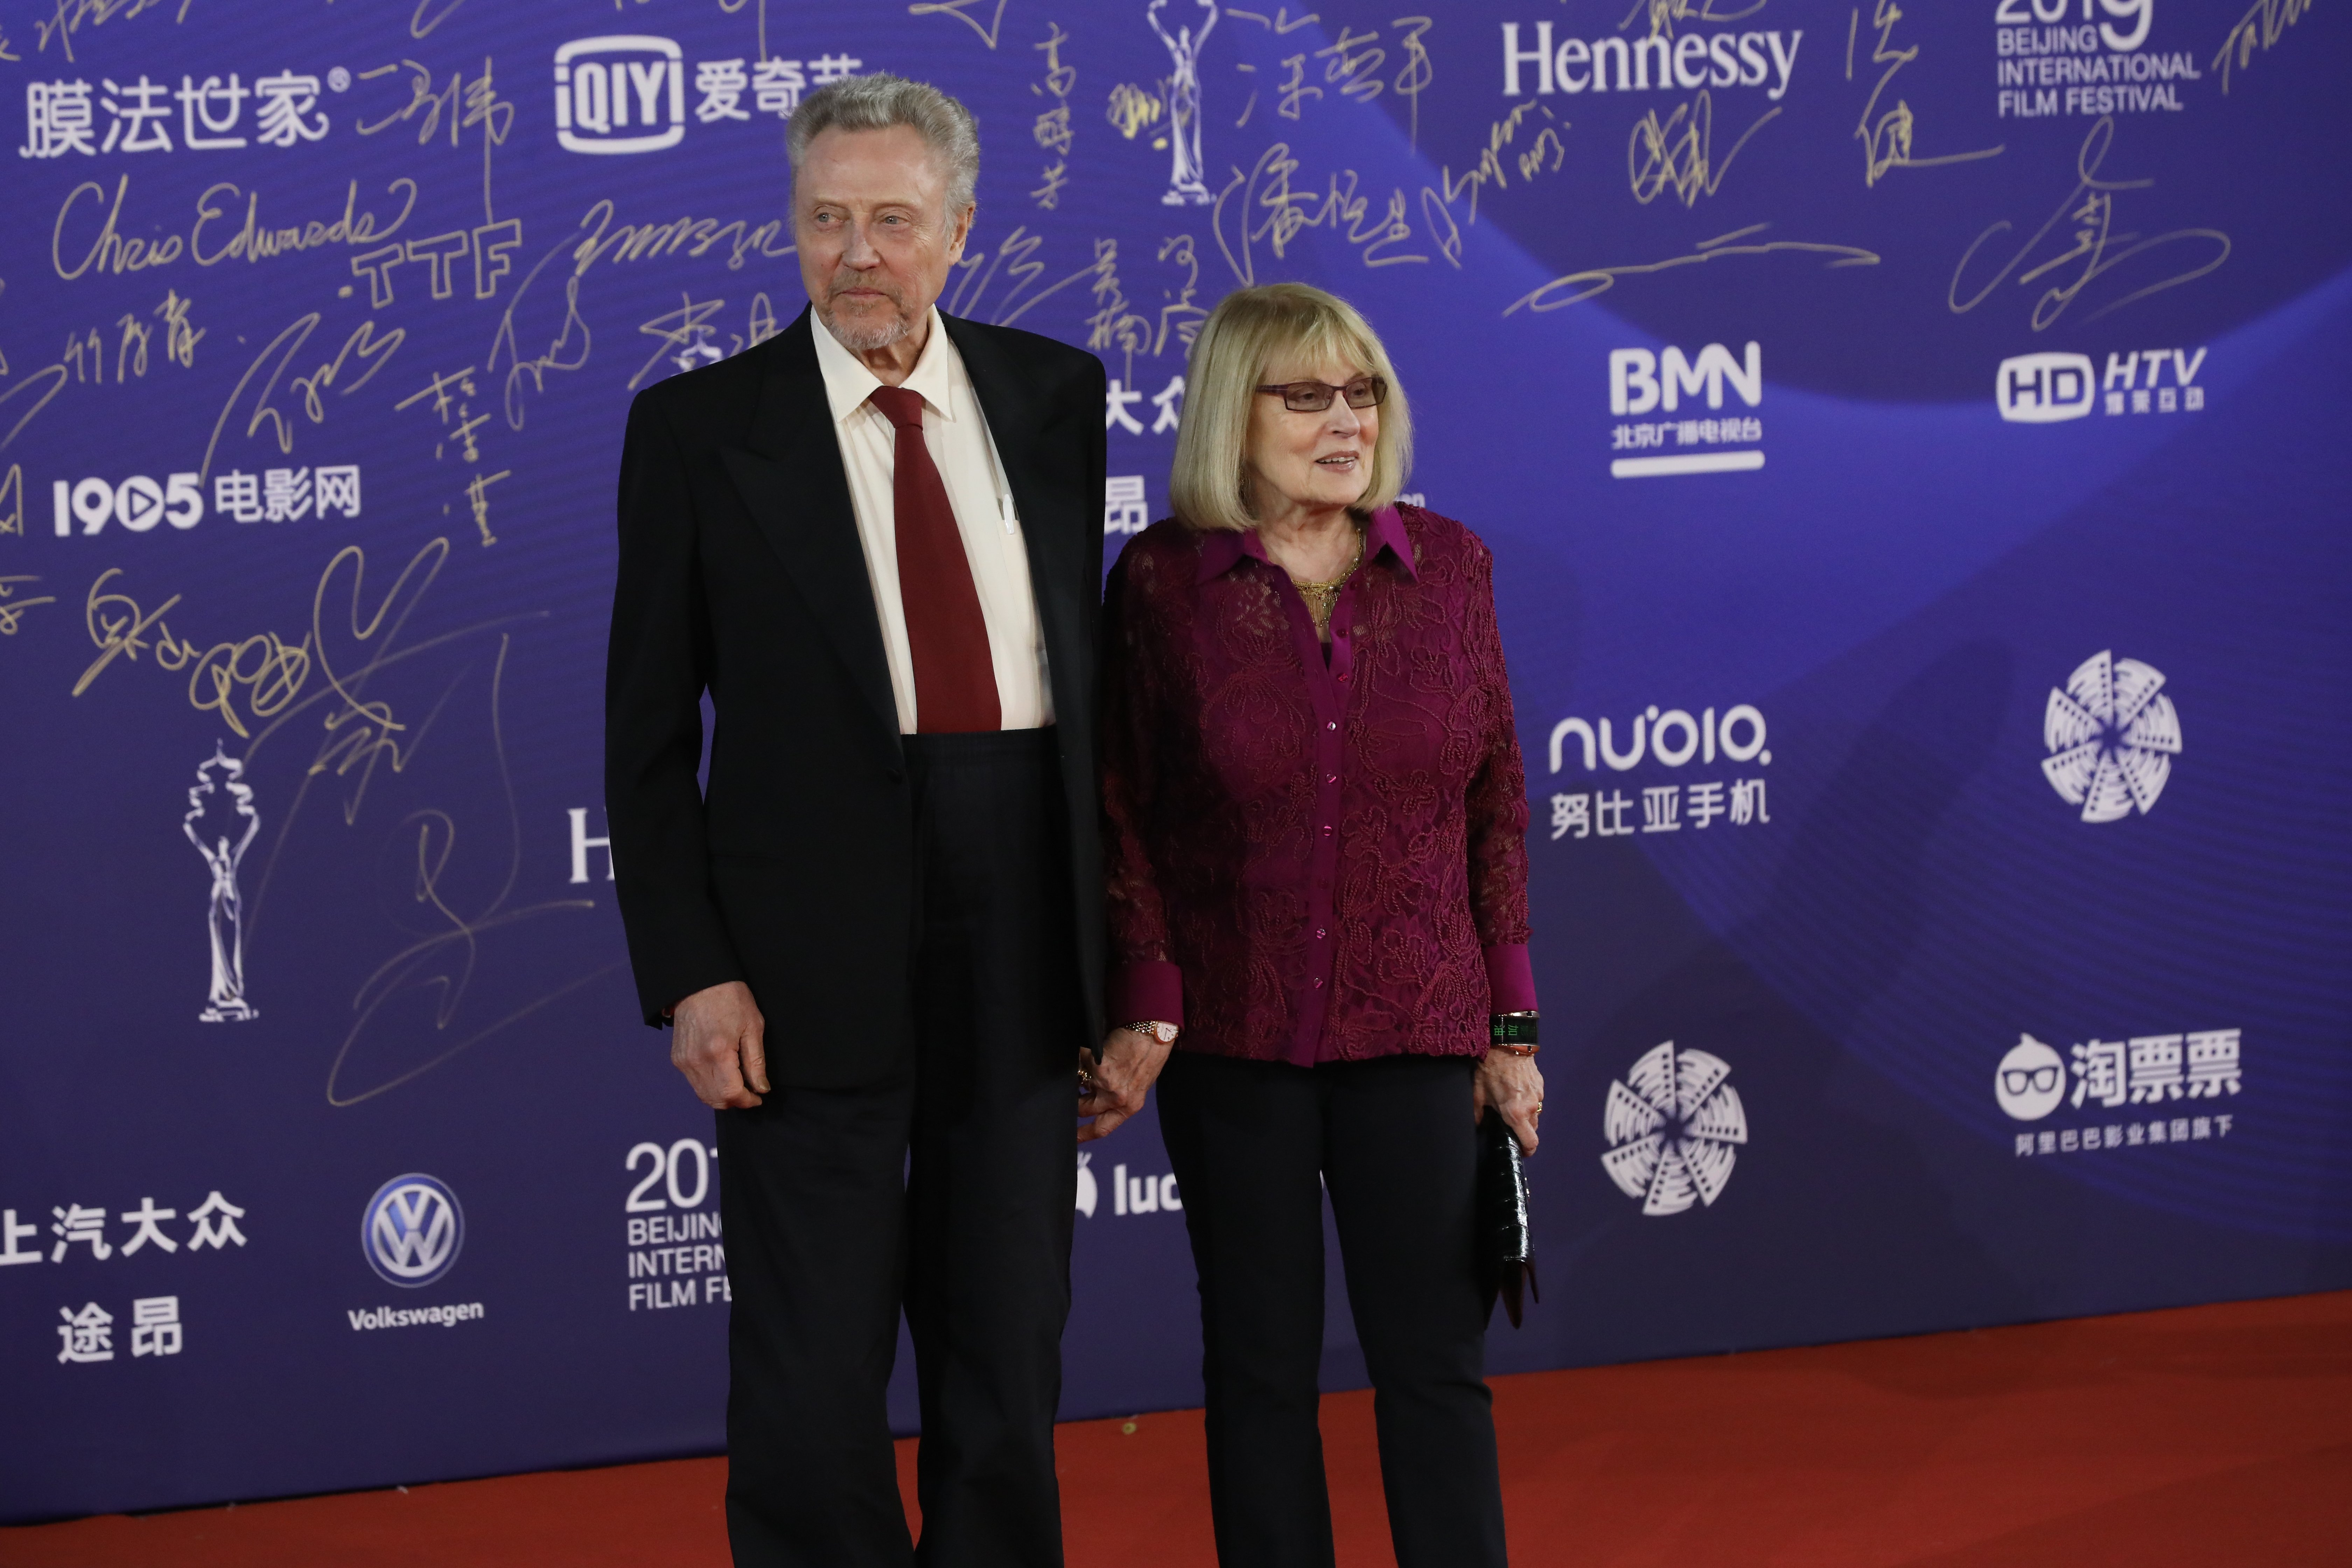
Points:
(1315, 822)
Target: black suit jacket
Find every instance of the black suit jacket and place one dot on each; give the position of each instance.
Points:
(741, 574)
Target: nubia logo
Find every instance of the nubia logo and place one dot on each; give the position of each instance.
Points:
(1739, 735)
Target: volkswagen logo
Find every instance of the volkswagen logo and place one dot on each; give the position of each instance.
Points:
(412, 1230)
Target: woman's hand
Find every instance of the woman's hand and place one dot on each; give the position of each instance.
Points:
(1512, 1085)
(1113, 1080)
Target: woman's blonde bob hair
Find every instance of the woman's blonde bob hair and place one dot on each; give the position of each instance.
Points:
(1208, 486)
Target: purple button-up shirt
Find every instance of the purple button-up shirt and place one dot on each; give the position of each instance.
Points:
(1313, 858)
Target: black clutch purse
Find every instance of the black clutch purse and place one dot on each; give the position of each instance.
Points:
(1505, 1249)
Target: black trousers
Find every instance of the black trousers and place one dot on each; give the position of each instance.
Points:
(948, 1191)
(1393, 1139)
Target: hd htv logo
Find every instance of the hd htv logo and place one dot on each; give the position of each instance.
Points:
(2047, 388)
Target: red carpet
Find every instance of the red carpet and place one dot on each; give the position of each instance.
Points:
(2207, 1436)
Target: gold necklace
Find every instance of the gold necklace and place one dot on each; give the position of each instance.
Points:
(1321, 598)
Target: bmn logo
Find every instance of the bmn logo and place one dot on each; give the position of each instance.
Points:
(1640, 381)
(622, 93)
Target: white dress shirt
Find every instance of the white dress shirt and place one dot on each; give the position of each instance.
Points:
(956, 433)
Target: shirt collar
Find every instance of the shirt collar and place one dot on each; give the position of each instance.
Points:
(1384, 532)
(848, 383)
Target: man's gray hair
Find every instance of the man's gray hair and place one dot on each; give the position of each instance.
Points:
(879, 101)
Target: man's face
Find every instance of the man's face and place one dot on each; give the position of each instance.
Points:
(870, 215)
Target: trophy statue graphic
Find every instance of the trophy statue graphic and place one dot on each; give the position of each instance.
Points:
(1184, 183)
(211, 825)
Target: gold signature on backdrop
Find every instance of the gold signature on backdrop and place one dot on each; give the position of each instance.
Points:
(70, 16)
(1886, 140)
(1678, 155)
(15, 601)
(364, 345)
(2090, 209)
(2260, 28)
(444, 961)
(1572, 288)
(963, 11)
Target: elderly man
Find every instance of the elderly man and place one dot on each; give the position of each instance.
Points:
(874, 540)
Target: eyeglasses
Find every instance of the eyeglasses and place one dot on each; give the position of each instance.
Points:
(1315, 396)
(2039, 1080)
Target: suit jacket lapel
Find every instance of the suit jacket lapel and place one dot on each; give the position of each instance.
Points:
(1016, 422)
(792, 482)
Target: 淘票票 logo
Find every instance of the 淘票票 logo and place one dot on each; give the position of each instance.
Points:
(2165, 1089)
(2112, 734)
(1673, 1128)
(622, 93)
(2140, 1070)
(412, 1230)
(2031, 1081)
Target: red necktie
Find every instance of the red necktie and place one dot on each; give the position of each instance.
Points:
(955, 677)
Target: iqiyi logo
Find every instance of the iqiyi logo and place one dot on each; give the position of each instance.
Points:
(412, 1230)
(622, 93)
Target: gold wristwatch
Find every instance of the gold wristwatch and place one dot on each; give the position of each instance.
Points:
(1158, 1033)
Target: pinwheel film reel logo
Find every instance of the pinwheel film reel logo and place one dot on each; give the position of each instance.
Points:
(2112, 735)
(1674, 1129)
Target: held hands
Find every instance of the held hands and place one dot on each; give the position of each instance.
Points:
(1113, 1080)
(718, 1040)
(1511, 1085)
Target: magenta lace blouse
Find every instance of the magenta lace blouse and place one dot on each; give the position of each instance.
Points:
(1313, 862)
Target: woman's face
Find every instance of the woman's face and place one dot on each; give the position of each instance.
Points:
(1312, 462)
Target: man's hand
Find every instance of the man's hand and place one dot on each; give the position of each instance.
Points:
(1112, 1081)
(1511, 1085)
(718, 1040)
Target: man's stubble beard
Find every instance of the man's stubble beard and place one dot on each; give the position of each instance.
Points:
(867, 337)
